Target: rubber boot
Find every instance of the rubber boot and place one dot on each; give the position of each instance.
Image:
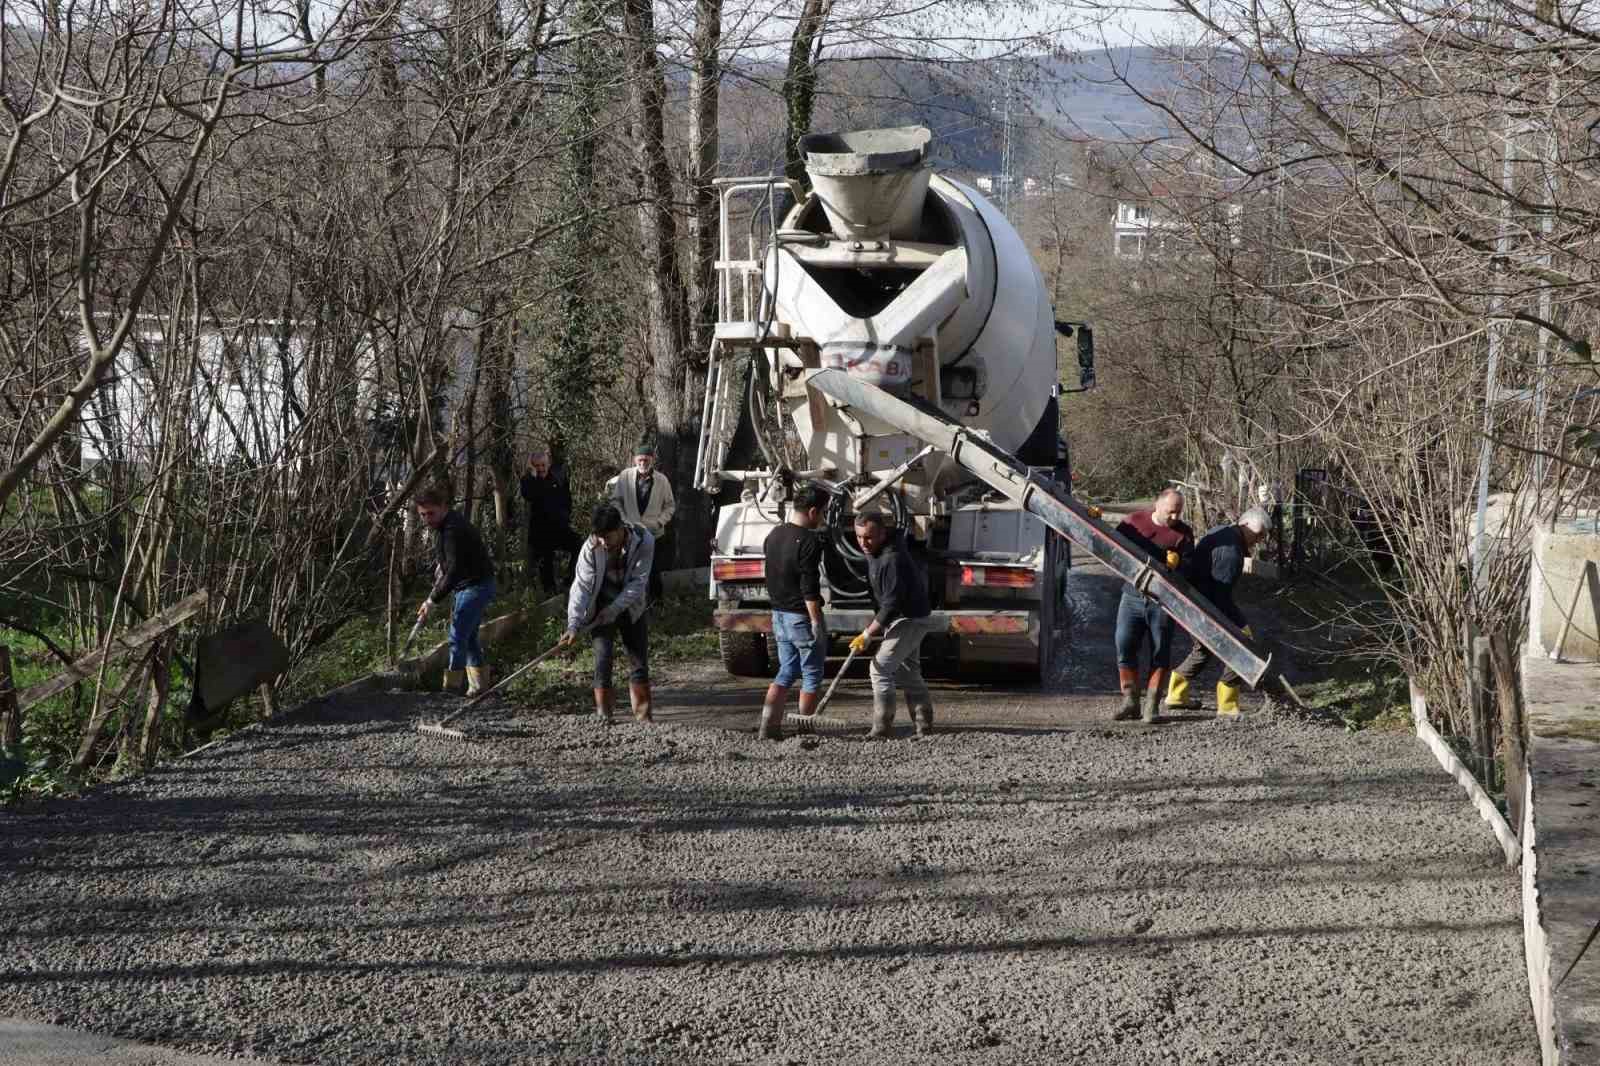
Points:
(808, 703)
(1178, 698)
(604, 705)
(452, 682)
(1227, 700)
(639, 696)
(1151, 711)
(1128, 676)
(922, 716)
(477, 679)
(882, 717)
(772, 713)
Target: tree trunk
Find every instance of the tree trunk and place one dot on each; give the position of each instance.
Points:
(704, 148)
(673, 391)
(800, 83)
(10, 713)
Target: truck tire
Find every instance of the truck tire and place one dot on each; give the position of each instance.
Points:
(744, 654)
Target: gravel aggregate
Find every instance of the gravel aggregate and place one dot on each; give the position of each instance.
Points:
(337, 888)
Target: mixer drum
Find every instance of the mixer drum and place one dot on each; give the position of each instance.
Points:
(866, 272)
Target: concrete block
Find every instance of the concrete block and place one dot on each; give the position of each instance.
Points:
(1559, 560)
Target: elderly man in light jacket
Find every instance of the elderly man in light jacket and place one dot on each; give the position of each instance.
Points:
(644, 496)
(608, 593)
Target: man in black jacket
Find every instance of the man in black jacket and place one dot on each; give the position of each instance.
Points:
(465, 572)
(549, 498)
(900, 589)
(1213, 569)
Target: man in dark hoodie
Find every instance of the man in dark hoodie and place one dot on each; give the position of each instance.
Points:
(900, 589)
(465, 572)
(545, 490)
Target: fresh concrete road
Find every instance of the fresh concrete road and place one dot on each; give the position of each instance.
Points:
(1038, 886)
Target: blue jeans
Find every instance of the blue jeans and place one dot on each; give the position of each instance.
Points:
(470, 603)
(1138, 617)
(801, 655)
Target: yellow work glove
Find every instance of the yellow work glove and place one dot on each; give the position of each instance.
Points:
(1173, 560)
(1095, 512)
(1247, 631)
(858, 643)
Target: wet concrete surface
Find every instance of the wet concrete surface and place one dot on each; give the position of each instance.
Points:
(1037, 886)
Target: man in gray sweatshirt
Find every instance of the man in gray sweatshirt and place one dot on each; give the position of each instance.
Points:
(900, 589)
(608, 592)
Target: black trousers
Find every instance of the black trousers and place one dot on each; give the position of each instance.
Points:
(1200, 658)
(542, 551)
(635, 637)
(658, 563)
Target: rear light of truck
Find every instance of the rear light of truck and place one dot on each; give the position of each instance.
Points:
(1004, 577)
(739, 569)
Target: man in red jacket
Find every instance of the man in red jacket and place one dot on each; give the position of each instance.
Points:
(1167, 539)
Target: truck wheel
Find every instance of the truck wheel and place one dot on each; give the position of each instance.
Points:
(744, 654)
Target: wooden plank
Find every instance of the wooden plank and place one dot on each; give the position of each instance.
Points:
(127, 643)
(1513, 753)
(97, 724)
(160, 681)
(1452, 766)
(269, 699)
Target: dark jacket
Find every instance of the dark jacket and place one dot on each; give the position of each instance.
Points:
(463, 559)
(549, 501)
(899, 583)
(1215, 566)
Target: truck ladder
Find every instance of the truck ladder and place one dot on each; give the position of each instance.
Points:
(1057, 509)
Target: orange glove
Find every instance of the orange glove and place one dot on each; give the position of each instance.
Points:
(1173, 560)
(1095, 512)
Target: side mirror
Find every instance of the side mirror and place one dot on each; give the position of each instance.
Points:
(1085, 356)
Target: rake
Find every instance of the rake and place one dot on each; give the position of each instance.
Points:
(398, 673)
(815, 722)
(441, 728)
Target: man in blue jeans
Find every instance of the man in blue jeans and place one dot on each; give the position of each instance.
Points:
(794, 587)
(465, 572)
(1162, 533)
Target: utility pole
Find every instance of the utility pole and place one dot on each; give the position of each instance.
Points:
(1008, 151)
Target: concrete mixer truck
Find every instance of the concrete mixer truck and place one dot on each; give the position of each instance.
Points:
(891, 339)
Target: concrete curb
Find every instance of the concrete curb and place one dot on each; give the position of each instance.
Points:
(1469, 784)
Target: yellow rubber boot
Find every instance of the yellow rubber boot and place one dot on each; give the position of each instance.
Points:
(477, 679)
(1178, 694)
(452, 682)
(1227, 701)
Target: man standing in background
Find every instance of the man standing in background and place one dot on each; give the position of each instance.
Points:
(549, 500)
(644, 497)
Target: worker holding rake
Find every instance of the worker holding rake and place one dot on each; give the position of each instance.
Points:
(609, 592)
(465, 573)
